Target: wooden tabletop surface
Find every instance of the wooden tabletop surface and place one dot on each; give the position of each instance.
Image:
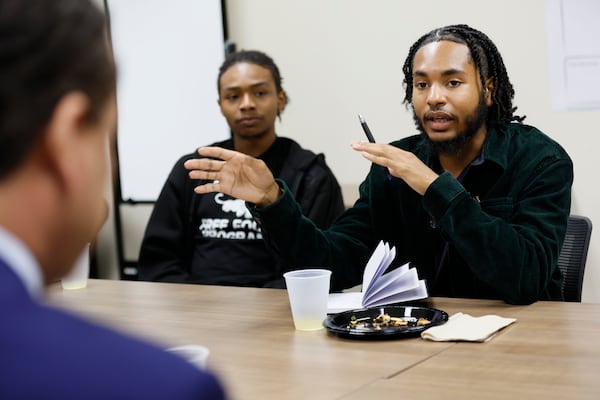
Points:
(553, 351)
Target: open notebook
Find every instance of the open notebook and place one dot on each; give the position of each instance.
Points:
(378, 287)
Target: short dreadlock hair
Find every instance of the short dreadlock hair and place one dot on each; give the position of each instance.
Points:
(257, 58)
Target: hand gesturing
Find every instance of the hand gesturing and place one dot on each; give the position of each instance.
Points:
(233, 173)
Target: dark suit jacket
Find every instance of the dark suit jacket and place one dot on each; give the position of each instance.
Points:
(48, 354)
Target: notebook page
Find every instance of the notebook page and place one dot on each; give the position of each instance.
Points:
(397, 280)
(416, 293)
(378, 263)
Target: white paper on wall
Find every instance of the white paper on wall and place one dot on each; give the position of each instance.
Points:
(574, 53)
(168, 54)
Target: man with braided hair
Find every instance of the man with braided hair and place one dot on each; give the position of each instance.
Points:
(478, 201)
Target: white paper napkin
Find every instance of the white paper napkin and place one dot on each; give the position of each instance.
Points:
(463, 327)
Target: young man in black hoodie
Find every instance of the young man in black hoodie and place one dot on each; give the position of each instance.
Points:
(212, 238)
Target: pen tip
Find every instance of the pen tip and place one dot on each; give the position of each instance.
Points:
(360, 118)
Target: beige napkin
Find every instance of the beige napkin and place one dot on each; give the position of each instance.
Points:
(463, 327)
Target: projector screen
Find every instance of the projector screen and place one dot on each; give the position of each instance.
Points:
(167, 55)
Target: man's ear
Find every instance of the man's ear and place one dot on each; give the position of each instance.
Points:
(219, 103)
(61, 137)
(281, 101)
(488, 91)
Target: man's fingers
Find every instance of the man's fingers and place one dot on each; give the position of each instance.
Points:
(217, 152)
(207, 175)
(204, 164)
(209, 187)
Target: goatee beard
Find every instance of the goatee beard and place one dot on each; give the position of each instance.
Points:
(455, 146)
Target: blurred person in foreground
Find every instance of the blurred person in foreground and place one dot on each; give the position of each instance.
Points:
(213, 238)
(57, 110)
(478, 201)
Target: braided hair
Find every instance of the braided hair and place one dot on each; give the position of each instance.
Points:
(488, 62)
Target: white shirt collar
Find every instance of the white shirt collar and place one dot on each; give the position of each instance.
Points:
(18, 257)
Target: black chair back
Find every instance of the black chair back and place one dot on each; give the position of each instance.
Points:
(573, 255)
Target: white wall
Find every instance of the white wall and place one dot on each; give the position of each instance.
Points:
(343, 57)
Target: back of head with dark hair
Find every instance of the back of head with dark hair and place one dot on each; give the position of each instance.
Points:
(48, 48)
(487, 60)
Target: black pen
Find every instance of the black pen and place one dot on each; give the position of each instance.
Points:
(365, 127)
(367, 131)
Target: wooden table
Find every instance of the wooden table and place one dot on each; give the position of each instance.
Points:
(552, 351)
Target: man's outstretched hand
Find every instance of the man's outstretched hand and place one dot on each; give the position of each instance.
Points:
(235, 174)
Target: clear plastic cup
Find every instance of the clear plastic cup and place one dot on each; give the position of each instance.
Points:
(308, 291)
(78, 276)
(194, 354)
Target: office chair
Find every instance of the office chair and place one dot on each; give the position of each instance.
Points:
(573, 255)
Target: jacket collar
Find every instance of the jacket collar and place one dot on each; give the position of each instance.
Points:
(18, 258)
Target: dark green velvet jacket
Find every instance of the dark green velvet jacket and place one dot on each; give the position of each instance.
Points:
(502, 227)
